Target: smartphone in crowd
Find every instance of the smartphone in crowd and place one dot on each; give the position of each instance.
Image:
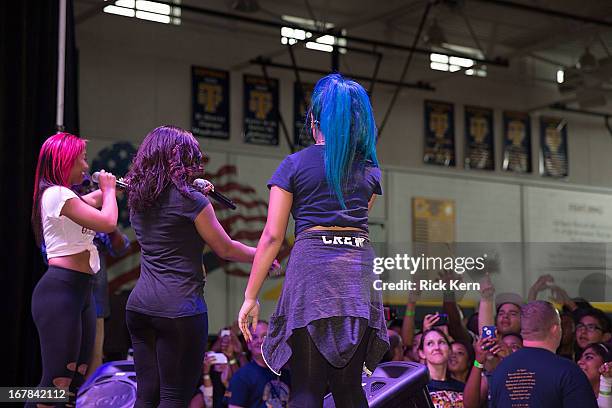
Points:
(220, 358)
(442, 321)
(488, 332)
(225, 332)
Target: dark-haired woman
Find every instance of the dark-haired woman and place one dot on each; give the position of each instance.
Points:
(460, 360)
(595, 362)
(329, 320)
(166, 313)
(62, 302)
(444, 390)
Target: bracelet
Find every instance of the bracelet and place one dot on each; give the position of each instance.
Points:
(477, 364)
(207, 376)
(409, 313)
(233, 361)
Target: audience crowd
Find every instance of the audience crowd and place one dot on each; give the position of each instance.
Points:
(510, 352)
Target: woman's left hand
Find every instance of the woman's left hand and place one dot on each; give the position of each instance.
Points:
(500, 350)
(248, 311)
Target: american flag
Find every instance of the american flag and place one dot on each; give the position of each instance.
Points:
(244, 224)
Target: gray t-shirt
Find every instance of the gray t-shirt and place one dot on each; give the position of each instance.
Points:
(171, 278)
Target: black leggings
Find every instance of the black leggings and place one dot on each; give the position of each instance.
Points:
(168, 356)
(311, 373)
(65, 316)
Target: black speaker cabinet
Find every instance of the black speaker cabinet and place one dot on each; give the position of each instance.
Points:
(112, 385)
(393, 385)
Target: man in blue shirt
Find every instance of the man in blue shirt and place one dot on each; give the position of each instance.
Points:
(255, 385)
(535, 376)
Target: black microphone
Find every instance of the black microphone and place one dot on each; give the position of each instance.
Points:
(201, 184)
(120, 183)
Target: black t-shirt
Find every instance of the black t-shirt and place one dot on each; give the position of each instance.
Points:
(447, 393)
(254, 386)
(536, 378)
(171, 281)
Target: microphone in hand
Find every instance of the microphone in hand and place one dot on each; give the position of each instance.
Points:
(208, 189)
(120, 182)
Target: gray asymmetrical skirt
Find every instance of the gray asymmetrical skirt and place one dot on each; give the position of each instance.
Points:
(328, 289)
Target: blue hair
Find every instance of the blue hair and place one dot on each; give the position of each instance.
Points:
(342, 110)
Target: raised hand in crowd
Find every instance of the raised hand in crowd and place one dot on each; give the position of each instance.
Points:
(408, 325)
(276, 269)
(231, 347)
(476, 387)
(209, 361)
(487, 290)
(486, 310)
(456, 326)
(204, 399)
(430, 321)
(500, 350)
(606, 370)
(542, 283)
(560, 296)
(483, 348)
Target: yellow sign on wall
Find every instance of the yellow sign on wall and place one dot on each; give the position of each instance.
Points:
(433, 220)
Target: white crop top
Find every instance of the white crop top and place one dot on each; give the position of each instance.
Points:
(62, 235)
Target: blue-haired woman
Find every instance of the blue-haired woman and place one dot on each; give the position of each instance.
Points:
(329, 323)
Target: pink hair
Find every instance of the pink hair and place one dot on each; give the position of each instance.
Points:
(55, 161)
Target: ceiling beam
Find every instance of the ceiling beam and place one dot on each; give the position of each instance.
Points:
(550, 12)
(375, 43)
(415, 85)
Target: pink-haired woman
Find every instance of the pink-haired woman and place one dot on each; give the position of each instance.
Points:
(62, 303)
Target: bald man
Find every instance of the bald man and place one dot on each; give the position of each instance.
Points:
(535, 376)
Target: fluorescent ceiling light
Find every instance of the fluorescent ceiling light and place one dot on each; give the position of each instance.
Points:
(121, 11)
(319, 47)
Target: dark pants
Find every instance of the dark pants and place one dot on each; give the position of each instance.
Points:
(168, 356)
(65, 316)
(311, 373)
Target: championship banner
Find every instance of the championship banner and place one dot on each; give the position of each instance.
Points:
(260, 101)
(439, 133)
(479, 152)
(210, 103)
(517, 142)
(301, 137)
(553, 147)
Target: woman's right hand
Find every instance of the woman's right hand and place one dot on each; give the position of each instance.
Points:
(487, 290)
(208, 362)
(248, 312)
(429, 321)
(107, 181)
